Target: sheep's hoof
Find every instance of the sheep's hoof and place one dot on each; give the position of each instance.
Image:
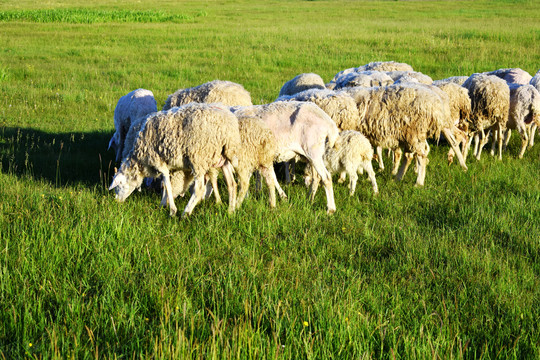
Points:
(172, 212)
(330, 211)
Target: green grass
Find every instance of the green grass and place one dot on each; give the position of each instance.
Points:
(447, 271)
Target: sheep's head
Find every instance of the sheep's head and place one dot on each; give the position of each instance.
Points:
(126, 180)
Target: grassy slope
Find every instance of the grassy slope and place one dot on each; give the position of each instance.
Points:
(449, 270)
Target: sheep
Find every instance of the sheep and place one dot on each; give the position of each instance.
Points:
(490, 103)
(414, 75)
(535, 81)
(364, 78)
(340, 106)
(225, 92)
(524, 112)
(301, 129)
(512, 76)
(193, 139)
(129, 108)
(386, 66)
(300, 83)
(460, 111)
(400, 116)
(459, 80)
(352, 157)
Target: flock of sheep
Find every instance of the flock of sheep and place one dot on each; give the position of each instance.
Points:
(334, 127)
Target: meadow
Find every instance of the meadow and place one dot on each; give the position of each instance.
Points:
(447, 271)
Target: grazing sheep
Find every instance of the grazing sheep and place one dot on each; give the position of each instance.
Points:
(129, 108)
(524, 112)
(301, 129)
(535, 81)
(512, 76)
(352, 157)
(193, 139)
(459, 80)
(386, 66)
(364, 78)
(401, 116)
(460, 111)
(300, 83)
(340, 106)
(490, 103)
(225, 92)
(413, 76)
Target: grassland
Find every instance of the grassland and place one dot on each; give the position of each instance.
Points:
(448, 271)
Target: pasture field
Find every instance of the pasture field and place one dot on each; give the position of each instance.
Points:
(449, 271)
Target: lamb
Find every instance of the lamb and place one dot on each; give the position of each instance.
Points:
(301, 129)
(490, 103)
(364, 78)
(225, 92)
(512, 76)
(401, 116)
(192, 139)
(132, 106)
(352, 157)
(300, 83)
(524, 112)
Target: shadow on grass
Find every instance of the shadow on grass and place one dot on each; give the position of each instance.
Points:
(60, 159)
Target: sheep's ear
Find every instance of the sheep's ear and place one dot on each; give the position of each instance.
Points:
(115, 170)
(117, 180)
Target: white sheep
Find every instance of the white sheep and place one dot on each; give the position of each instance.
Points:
(386, 66)
(524, 112)
(512, 75)
(193, 139)
(225, 92)
(401, 116)
(300, 83)
(301, 129)
(364, 78)
(535, 81)
(459, 80)
(460, 112)
(132, 106)
(490, 103)
(353, 155)
(411, 76)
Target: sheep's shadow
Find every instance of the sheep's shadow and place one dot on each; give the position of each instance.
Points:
(58, 158)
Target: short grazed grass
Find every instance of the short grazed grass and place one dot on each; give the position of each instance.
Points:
(447, 271)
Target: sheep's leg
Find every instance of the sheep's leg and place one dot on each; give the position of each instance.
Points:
(532, 133)
(500, 130)
(318, 165)
(231, 185)
(353, 178)
(280, 191)
(495, 140)
(477, 143)
(524, 140)
(168, 193)
(483, 141)
(405, 165)
(243, 183)
(398, 154)
(455, 146)
(380, 158)
(266, 173)
(422, 165)
(315, 179)
(213, 176)
(371, 175)
(342, 177)
(507, 135)
(196, 197)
